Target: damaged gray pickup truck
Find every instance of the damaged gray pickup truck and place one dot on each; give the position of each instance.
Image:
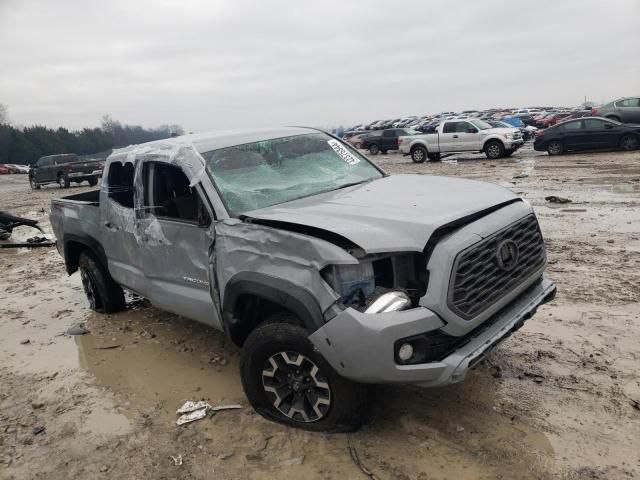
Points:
(328, 273)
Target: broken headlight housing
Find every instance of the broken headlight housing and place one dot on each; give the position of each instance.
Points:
(361, 285)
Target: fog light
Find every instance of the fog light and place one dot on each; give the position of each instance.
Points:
(405, 352)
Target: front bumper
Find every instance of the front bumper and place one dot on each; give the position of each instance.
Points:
(514, 144)
(359, 346)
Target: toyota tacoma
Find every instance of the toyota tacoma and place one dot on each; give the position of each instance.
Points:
(328, 273)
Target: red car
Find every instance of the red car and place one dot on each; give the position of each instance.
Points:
(552, 119)
(4, 170)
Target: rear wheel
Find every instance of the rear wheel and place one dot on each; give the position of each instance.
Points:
(34, 185)
(554, 148)
(63, 180)
(419, 154)
(374, 149)
(103, 293)
(629, 142)
(287, 381)
(494, 149)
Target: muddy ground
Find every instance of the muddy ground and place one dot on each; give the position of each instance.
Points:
(560, 399)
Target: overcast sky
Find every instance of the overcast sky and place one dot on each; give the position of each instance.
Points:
(226, 64)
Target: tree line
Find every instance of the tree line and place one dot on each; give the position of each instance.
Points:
(23, 146)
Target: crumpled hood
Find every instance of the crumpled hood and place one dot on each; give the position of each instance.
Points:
(395, 213)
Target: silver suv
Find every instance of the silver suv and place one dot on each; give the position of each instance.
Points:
(327, 272)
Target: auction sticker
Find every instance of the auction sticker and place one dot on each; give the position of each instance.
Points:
(345, 154)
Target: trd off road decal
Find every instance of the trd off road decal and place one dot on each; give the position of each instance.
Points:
(345, 154)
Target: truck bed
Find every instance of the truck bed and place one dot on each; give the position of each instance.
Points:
(76, 216)
(85, 198)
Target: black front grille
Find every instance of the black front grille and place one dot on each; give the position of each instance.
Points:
(479, 279)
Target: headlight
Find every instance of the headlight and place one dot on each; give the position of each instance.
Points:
(389, 302)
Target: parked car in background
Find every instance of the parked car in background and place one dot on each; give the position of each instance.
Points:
(387, 140)
(552, 119)
(4, 170)
(587, 134)
(14, 168)
(578, 114)
(625, 110)
(356, 140)
(457, 136)
(64, 169)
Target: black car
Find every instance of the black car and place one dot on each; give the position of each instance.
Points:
(587, 134)
(64, 169)
(387, 141)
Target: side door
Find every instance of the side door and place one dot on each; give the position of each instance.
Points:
(468, 137)
(574, 135)
(44, 166)
(449, 136)
(175, 254)
(630, 110)
(121, 238)
(389, 140)
(601, 134)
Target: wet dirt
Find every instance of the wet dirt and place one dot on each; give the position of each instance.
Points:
(559, 399)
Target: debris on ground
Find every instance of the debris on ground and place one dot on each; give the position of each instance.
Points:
(26, 341)
(191, 411)
(192, 416)
(293, 461)
(77, 330)
(524, 175)
(177, 460)
(556, 199)
(356, 460)
(38, 430)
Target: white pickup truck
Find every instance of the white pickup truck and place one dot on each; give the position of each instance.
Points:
(456, 136)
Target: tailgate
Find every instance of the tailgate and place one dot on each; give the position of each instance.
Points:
(88, 167)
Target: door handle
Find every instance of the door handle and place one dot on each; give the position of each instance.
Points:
(455, 136)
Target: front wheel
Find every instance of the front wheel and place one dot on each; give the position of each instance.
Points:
(287, 381)
(103, 293)
(494, 150)
(629, 142)
(374, 149)
(554, 148)
(34, 185)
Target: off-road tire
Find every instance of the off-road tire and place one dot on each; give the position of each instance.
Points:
(348, 406)
(419, 154)
(63, 181)
(494, 149)
(93, 181)
(555, 148)
(374, 149)
(34, 185)
(629, 142)
(103, 293)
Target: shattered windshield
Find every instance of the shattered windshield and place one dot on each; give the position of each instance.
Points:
(261, 174)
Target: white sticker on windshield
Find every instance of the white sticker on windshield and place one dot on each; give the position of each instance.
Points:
(345, 154)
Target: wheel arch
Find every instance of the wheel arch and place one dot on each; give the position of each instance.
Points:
(493, 139)
(251, 297)
(74, 245)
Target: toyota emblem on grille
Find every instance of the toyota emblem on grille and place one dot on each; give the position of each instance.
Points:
(507, 255)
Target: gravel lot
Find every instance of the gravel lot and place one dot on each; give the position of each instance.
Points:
(559, 399)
